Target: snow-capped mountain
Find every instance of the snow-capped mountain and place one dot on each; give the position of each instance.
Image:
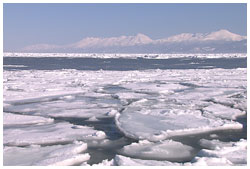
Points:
(219, 41)
(139, 39)
(221, 35)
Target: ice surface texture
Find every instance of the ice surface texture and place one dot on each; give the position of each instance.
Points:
(151, 105)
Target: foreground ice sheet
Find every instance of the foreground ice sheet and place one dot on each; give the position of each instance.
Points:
(41, 108)
(48, 134)
(48, 155)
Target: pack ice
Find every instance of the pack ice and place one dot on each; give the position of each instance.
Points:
(47, 112)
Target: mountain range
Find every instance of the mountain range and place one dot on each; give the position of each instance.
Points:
(221, 41)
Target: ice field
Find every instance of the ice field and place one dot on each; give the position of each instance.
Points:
(137, 117)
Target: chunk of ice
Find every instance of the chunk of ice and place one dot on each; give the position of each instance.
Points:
(234, 152)
(127, 161)
(154, 128)
(165, 150)
(47, 155)
(224, 111)
(47, 134)
(16, 119)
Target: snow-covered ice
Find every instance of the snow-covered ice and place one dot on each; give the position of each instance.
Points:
(16, 119)
(224, 111)
(156, 127)
(233, 152)
(48, 134)
(49, 155)
(165, 150)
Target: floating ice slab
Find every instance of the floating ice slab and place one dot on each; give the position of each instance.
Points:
(48, 134)
(48, 155)
(127, 161)
(15, 119)
(212, 161)
(65, 160)
(165, 150)
(91, 114)
(154, 128)
(224, 111)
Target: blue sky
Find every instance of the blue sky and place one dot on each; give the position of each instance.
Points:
(28, 24)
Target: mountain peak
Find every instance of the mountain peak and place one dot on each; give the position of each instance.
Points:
(224, 35)
(141, 38)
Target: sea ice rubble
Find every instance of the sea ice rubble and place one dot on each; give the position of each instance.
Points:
(152, 105)
(235, 153)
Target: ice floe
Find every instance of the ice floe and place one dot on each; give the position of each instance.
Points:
(69, 154)
(155, 128)
(48, 134)
(166, 150)
(224, 111)
(16, 119)
(127, 161)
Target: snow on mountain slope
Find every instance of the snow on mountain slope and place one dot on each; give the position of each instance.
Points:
(221, 35)
(113, 41)
(224, 35)
(219, 41)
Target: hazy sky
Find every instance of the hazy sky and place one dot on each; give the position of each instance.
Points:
(28, 24)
